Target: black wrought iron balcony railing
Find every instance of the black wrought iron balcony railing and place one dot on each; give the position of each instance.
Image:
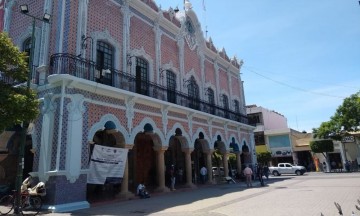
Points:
(62, 63)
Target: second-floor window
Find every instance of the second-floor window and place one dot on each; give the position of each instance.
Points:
(104, 62)
(104, 55)
(236, 106)
(142, 68)
(171, 86)
(211, 99)
(193, 92)
(225, 101)
(254, 118)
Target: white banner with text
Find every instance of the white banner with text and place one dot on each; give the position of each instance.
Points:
(107, 165)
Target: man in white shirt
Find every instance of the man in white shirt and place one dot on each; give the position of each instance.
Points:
(140, 191)
(203, 173)
(248, 174)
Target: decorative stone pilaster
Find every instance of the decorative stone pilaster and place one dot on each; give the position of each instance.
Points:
(47, 131)
(74, 139)
(165, 120)
(188, 169)
(130, 102)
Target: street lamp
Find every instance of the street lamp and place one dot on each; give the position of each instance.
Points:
(46, 18)
(84, 45)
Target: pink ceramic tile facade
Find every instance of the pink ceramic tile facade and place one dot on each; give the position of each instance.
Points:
(106, 21)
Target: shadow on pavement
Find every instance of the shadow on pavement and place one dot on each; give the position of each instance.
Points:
(161, 201)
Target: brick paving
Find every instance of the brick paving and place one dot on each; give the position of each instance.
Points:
(311, 194)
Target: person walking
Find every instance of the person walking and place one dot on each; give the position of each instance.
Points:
(172, 177)
(203, 173)
(248, 174)
(260, 174)
(266, 171)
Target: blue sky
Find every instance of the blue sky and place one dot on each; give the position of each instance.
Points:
(301, 58)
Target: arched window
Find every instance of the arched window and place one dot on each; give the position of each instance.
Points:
(27, 46)
(193, 93)
(142, 68)
(104, 62)
(171, 86)
(211, 99)
(225, 101)
(236, 106)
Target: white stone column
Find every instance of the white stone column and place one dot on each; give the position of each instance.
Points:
(160, 170)
(225, 164)
(188, 169)
(124, 191)
(209, 166)
(238, 162)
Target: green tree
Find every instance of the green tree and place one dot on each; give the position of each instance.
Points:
(324, 147)
(345, 119)
(17, 103)
(263, 157)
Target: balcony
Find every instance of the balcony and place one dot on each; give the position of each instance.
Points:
(69, 64)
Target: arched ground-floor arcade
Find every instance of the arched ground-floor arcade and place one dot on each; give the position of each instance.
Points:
(157, 141)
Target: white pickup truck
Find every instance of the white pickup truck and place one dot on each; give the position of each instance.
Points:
(287, 168)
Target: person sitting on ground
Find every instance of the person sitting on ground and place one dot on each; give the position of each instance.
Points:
(141, 192)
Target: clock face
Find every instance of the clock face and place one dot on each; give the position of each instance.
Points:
(190, 34)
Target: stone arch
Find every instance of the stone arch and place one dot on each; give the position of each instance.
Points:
(205, 142)
(140, 128)
(110, 133)
(199, 157)
(185, 136)
(245, 153)
(233, 143)
(215, 139)
(235, 165)
(101, 125)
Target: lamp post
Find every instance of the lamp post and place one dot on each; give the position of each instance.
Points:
(84, 45)
(46, 18)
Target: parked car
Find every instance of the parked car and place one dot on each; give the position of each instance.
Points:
(215, 171)
(287, 168)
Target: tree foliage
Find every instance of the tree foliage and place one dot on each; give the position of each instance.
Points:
(321, 146)
(17, 103)
(346, 118)
(263, 157)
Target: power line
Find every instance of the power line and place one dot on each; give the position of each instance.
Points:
(294, 87)
(309, 80)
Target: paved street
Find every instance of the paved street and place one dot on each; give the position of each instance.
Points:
(311, 194)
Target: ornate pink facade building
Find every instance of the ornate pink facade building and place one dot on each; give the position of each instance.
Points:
(124, 73)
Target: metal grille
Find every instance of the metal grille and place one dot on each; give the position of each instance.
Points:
(141, 76)
(171, 86)
(104, 55)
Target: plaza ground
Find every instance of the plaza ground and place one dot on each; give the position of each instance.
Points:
(311, 194)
